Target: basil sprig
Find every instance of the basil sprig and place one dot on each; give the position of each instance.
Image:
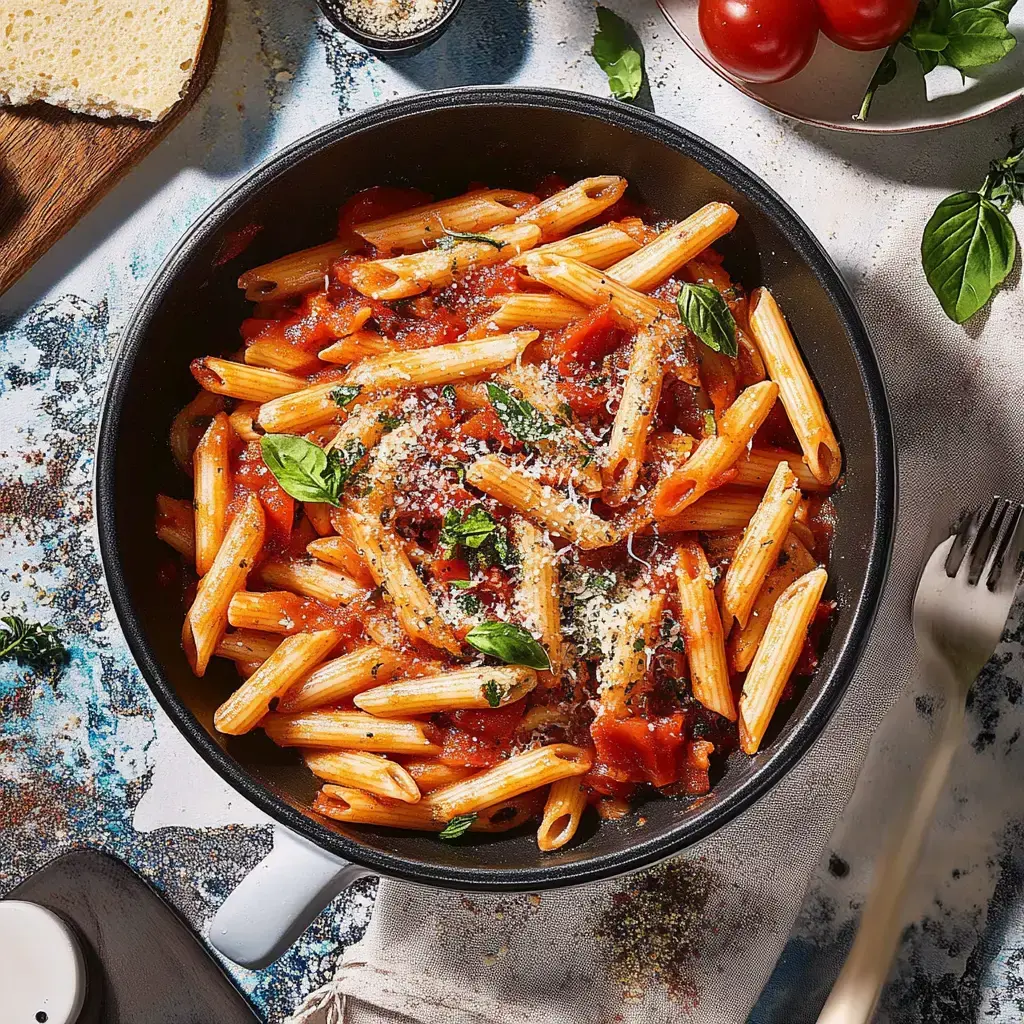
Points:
(345, 393)
(705, 312)
(969, 244)
(508, 643)
(307, 472)
(964, 34)
(518, 417)
(458, 826)
(617, 56)
(493, 693)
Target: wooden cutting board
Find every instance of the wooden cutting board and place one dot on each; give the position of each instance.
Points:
(56, 165)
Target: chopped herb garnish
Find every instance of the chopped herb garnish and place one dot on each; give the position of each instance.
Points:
(31, 644)
(493, 693)
(389, 421)
(482, 538)
(710, 426)
(454, 237)
(345, 393)
(518, 417)
(457, 468)
(458, 826)
(639, 644)
(469, 603)
(509, 643)
(461, 584)
(448, 393)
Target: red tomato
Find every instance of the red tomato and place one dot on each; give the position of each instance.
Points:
(866, 24)
(589, 340)
(639, 750)
(481, 738)
(760, 40)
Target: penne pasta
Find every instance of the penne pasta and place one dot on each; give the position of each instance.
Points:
(422, 225)
(720, 511)
(353, 805)
(302, 410)
(310, 578)
(243, 420)
(342, 554)
(293, 658)
(279, 355)
(340, 679)
(794, 561)
(292, 274)
(207, 619)
(211, 471)
(359, 345)
(701, 627)
(176, 525)
(189, 426)
(548, 508)
(238, 380)
(563, 810)
(442, 364)
(799, 396)
(512, 777)
(599, 247)
(537, 596)
(547, 311)
(431, 775)
(247, 645)
(361, 770)
(674, 247)
(276, 612)
(389, 565)
(575, 205)
(633, 418)
(777, 656)
(348, 730)
(756, 467)
(759, 549)
(483, 687)
(709, 465)
(624, 671)
(400, 277)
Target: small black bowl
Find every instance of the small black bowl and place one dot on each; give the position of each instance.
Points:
(390, 46)
(192, 307)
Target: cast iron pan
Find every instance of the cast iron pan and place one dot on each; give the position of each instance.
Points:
(441, 142)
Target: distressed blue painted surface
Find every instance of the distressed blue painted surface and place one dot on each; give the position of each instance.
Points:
(77, 755)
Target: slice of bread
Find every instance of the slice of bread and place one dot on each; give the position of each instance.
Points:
(106, 57)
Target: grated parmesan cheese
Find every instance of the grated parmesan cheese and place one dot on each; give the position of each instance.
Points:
(392, 19)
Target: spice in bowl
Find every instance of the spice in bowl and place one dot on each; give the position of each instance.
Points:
(392, 19)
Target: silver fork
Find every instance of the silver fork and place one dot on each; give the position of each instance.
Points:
(960, 609)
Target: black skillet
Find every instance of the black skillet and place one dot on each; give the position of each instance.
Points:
(440, 142)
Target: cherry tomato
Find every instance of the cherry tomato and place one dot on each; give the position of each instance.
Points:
(866, 24)
(760, 40)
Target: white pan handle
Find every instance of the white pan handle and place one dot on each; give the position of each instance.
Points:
(278, 899)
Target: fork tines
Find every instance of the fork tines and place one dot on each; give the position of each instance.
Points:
(988, 538)
(991, 537)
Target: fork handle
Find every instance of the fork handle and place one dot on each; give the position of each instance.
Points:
(856, 991)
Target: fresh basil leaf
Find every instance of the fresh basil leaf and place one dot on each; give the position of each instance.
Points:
(461, 584)
(1001, 8)
(453, 237)
(493, 693)
(305, 471)
(388, 421)
(345, 393)
(977, 38)
(617, 57)
(518, 417)
(458, 826)
(480, 535)
(509, 643)
(705, 312)
(968, 249)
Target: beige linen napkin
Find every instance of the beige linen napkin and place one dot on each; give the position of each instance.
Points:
(696, 938)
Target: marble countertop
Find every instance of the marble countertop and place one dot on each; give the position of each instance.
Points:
(90, 759)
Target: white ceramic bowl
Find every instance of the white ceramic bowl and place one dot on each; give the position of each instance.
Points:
(828, 91)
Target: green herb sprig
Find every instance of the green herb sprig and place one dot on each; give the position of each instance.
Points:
(703, 309)
(518, 417)
(969, 245)
(963, 34)
(616, 55)
(458, 826)
(482, 538)
(31, 644)
(452, 238)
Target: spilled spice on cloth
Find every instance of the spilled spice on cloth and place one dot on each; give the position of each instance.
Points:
(658, 926)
